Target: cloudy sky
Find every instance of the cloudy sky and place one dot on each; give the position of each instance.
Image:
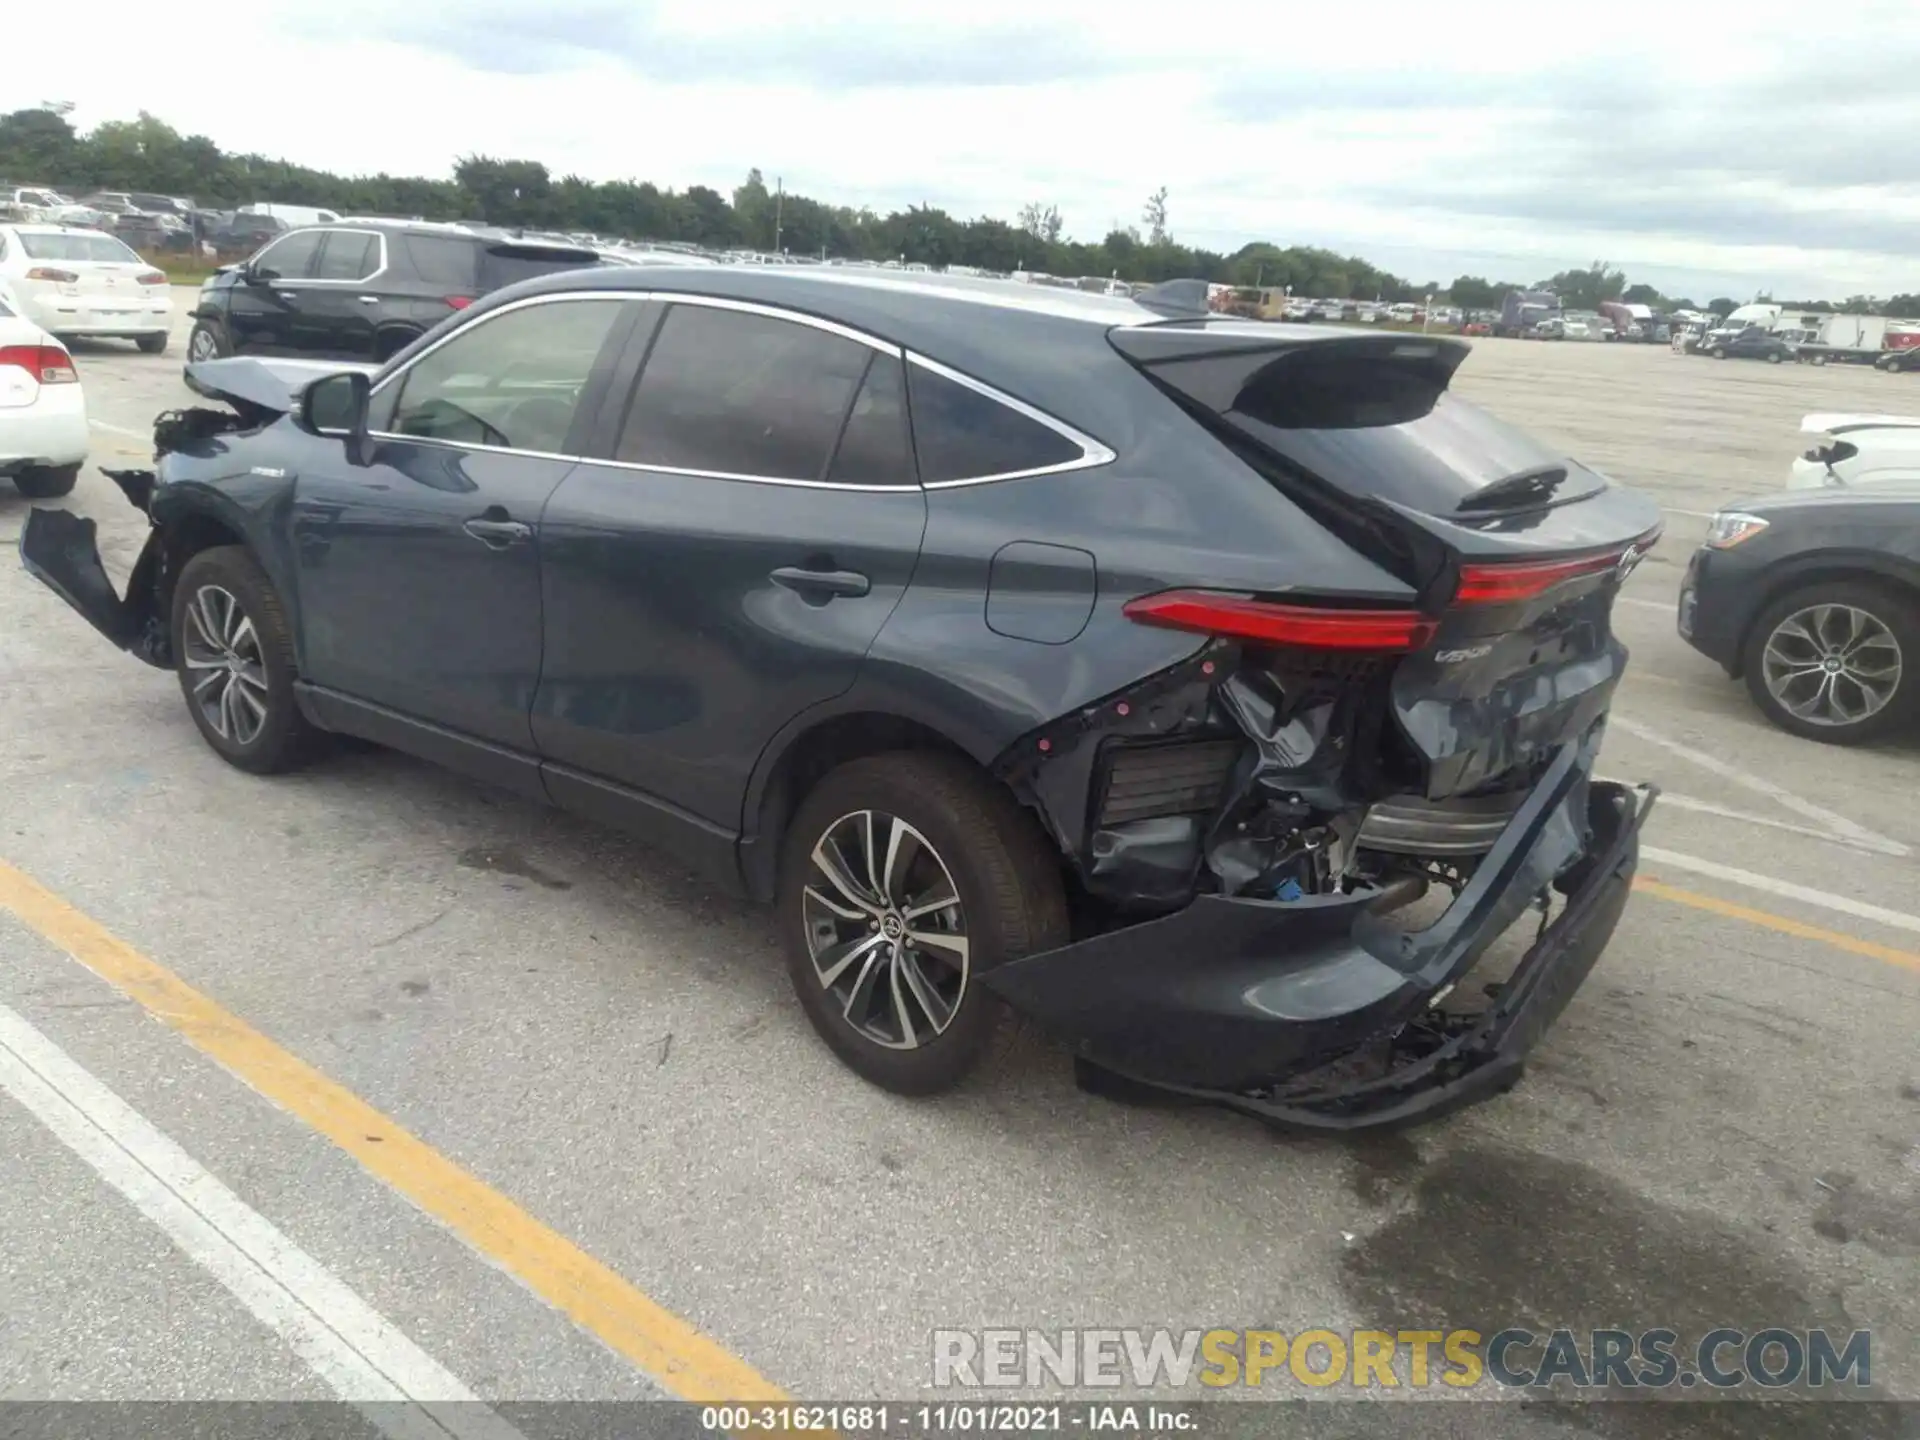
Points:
(1707, 146)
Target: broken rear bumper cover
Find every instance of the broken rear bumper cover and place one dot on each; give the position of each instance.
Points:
(1320, 1014)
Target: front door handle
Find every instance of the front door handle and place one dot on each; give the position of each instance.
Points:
(492, 529)
(820, 586)
(369, 299)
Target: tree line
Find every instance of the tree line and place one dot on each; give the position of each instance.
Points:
(40, 146)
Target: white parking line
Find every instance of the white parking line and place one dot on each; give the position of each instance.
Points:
(1670, 800)
(1666, 605)
(1833, 822)
(1691, 514)
(361, 1357)
(146, 434)
(1785, 889)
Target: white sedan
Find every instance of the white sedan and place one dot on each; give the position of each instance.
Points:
(72, 281)
(43, 414)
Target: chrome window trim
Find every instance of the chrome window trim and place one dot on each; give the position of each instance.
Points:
(306, 281)
(1092, 452)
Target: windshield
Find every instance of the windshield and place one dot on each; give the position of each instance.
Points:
(88, 247)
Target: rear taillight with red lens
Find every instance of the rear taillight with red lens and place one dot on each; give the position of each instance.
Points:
(48, 364)
(151, 277)
(1237, 617)
(57, 276)
(1509, 581)
(459, 302)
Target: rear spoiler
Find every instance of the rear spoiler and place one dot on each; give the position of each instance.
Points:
(1824, 424)
(1210, 366)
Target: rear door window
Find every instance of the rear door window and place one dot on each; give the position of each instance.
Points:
(961, 433)
(732, 393)
(874, 446)
(511, 381)
(348, 255)
(292, 257)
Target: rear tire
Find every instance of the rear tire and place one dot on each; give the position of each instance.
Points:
(234, 656)
(911, 1017)
(1717, 353)
(46, 482)
(152, 344)
(1773, 357)
(1875, 635)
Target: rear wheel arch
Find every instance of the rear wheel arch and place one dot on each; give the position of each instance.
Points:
(798, 761)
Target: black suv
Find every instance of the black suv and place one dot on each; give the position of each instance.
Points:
(360, 291)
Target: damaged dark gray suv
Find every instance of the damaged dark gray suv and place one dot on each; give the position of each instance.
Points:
(1129, 668)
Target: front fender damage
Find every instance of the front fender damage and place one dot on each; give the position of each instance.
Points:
(62, 551)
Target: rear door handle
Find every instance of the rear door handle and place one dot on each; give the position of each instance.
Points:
(498, 533)
(369, 299)
(821, 585)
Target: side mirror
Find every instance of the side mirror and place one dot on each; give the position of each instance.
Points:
(338, 404)
(256, 274)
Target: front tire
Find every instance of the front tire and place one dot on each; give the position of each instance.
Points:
(208, 342)
(152, 344)
(1717, 353)
(234, 655)
(1836, 661)
(46, 482)
(904, 878)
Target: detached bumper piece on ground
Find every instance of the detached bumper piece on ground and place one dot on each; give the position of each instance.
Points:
(1134, 670)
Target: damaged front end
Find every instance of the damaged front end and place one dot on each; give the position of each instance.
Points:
(61, 549)
(1250, 832)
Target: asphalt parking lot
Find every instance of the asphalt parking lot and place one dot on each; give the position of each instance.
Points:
(599, 1155)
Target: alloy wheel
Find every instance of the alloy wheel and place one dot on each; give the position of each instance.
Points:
(202, 346)
(1832, 665)
(885, 929)
(221, 652)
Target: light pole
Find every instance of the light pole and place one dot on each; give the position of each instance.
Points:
(779, 208)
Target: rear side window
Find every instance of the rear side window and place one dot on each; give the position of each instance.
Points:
(511, 381)
(443, 260)
(37, 246)
(348, 255)
(733, 393)
(502, 265)
(961, 433)
(291, 257)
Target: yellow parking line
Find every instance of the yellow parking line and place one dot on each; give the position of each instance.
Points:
(679, 1357)
(1905, 959)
